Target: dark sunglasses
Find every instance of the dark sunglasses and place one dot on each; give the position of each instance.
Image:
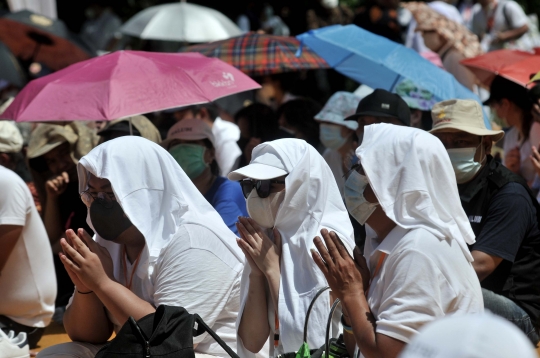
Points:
(262, 186)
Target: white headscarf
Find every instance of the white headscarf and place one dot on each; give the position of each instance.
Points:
(312, 202)
(155, 194)
(410, 173)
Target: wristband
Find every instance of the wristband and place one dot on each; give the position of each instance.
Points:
(346, 329)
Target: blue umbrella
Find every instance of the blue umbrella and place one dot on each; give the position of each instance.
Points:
(380, 63)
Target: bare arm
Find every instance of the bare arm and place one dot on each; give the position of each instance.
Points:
(512, 34)
(254, 326)
(51, 218)
(9, 234)
(85, 320)
(484, 264)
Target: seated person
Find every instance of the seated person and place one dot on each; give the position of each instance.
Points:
(53, 152)
(27, 280)
(138, 126)
(418, 268)
(503, 213)
(158, 242)
(191, 143)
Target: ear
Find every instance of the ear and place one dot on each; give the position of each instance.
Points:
(488, 144)
(4, 160)
(209, 155)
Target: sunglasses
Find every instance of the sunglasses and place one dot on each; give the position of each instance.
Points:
(262, 186)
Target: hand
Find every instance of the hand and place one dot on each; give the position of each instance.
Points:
(81, 258)
(535, 159)
(345, 277)
(55, 186)
(512, 160)
(260, 251)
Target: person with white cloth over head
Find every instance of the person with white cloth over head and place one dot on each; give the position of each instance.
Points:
(418, 266)
(158, 242)
(290, 189)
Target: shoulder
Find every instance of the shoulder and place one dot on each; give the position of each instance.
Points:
(228, 188)
(11, 183)
(513, 6)
(512, 194)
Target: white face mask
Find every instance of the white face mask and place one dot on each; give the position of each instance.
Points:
(358, 206)
(330, 136)
(264, 210)
(463, 163)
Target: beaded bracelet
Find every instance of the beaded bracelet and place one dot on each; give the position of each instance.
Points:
(346, 329)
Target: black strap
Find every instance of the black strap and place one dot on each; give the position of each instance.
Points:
(203, 327)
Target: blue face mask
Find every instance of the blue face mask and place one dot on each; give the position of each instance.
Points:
(356, 203)
(330, 136)
(463, 163)
(190, 157)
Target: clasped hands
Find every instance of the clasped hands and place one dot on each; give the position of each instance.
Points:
(88, 264)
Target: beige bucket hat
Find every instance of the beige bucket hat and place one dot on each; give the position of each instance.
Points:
(461, 115)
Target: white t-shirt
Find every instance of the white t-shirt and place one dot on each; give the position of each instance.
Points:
(507, 15)
(28, 280)
(421, 279)
(511, 141)
(198, 272)
(226, 134)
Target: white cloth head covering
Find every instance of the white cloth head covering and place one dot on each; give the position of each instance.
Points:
(470, 336)
(11, 140)
(410, 173)
(155, 194)
(312, 202)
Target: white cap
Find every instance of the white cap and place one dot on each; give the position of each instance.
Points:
(470, 336)
(263, 167)
(190, 129)
(11, 140)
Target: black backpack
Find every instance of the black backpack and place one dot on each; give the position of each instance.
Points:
(168, 332)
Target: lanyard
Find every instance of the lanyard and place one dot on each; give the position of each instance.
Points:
(491, 19)
(377, 269)
(276, 333)
(133, 269)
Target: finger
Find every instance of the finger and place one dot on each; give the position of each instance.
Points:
(323, 252)
(65, 177)
(68, 264)
(359, 258)
(250, 225)
(248, 250)
(87, 239)
(246, 235)
(79, 244)
(319, 261)
(330, 246)
(73, 254)
(339, 245)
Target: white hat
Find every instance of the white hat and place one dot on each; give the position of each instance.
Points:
(263, 167)
(189, 129)
(340, 106)
(470, 336)
(11, 140)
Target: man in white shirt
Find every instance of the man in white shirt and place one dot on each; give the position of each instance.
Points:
(497, 22)
(27, 277)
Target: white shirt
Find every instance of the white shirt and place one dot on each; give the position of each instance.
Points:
(507, 15)
(28, 280)
(511, 141)
(226, 134)
(422, 278)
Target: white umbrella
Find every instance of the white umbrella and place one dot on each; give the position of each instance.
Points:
(183, 22)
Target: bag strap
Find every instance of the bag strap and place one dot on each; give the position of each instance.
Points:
(319, 293)
(203, 327)
(328, 324)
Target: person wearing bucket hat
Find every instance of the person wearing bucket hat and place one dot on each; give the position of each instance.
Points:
(502, 211)
(191, 143)
(338, 135)
(380, 106)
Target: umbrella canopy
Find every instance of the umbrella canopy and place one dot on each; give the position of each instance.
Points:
(10, 70)
(126, 83)
(380, 63)
(181, 22)
(516, 66)
(456, 34)
(32, 37)
(258, 54)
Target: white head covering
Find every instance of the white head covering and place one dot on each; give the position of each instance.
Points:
(470, 336)
(155, 194)
(312, 202)
(410, 173)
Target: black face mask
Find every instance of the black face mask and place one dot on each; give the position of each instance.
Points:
(108, 219)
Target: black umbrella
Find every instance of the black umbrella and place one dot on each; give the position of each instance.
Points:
(10, 69)
(36, 38)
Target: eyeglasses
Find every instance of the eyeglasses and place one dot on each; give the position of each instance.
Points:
(262, 186)
(106, 199)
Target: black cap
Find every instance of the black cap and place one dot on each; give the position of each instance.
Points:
(120, 128)
(382, 103)
(503, 88)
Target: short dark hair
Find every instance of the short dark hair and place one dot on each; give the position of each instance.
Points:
(262, 121)
(214, 166)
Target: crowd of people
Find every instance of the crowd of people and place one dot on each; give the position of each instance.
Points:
(409, 209)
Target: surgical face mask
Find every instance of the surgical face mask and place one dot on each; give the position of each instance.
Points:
(358, 206)
(463, 163)
(330, 136)
(264, 210)
(190, 157)
(107, 219)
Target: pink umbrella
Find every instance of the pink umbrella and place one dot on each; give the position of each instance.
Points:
(126, 83)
